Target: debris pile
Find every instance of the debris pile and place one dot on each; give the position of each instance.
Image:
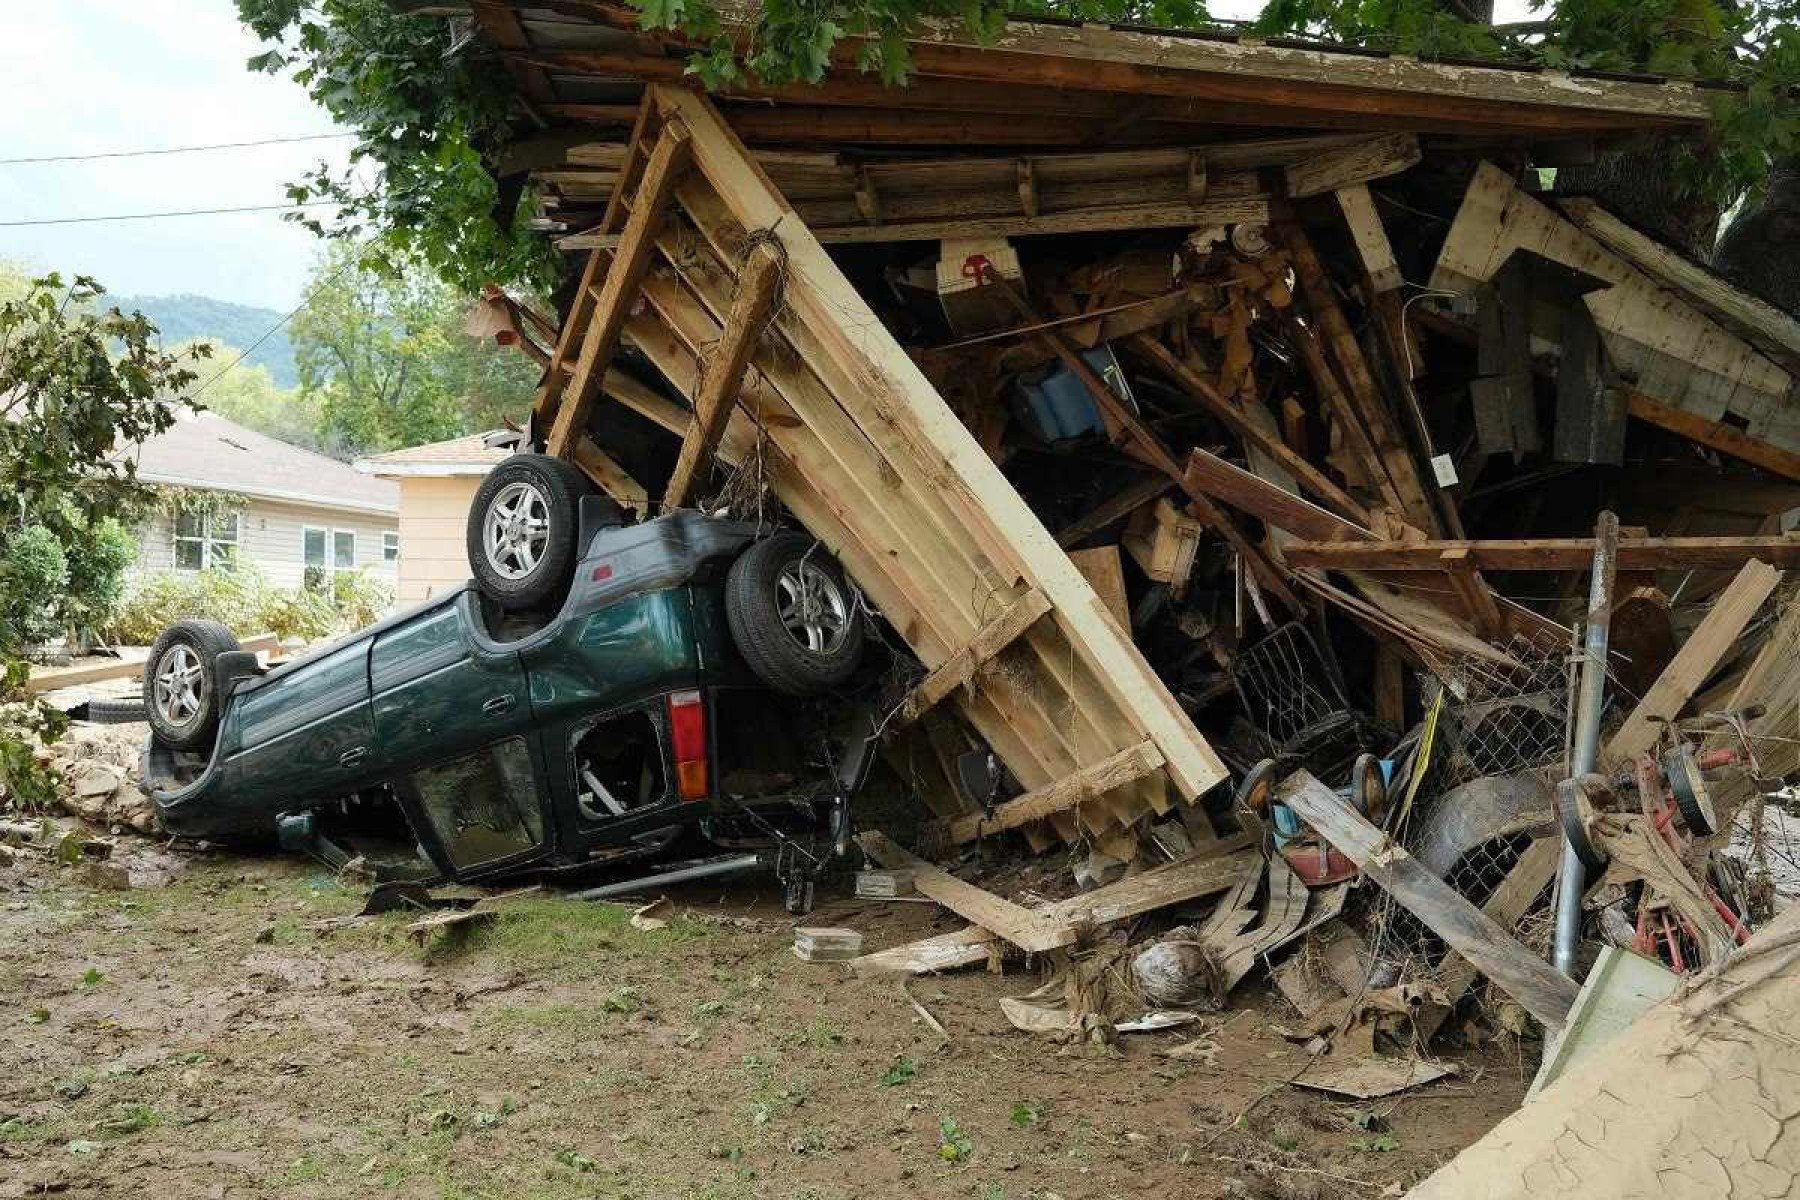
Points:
(1240, 558)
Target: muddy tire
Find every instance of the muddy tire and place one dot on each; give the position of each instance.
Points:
(793, 615)
(522, 530)
(181, 695)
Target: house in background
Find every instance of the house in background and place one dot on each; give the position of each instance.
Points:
(293, 509)
(437, 483)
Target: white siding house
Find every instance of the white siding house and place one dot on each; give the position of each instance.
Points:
(298, 509)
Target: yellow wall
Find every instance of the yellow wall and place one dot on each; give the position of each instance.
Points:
(433, 555)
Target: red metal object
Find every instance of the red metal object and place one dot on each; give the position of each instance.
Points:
(1318, 864)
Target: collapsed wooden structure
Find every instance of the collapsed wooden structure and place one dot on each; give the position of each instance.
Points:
(1338, 393)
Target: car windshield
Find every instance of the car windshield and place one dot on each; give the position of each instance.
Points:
(484, 807)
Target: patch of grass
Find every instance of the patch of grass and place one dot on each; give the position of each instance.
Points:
(903, 1071)
(572, 939)
(1376, 1143)
(305, 1169)
(27, 1131)
(128, 1119)
(954, 1145)
(1025, 1114)
(548, 1017)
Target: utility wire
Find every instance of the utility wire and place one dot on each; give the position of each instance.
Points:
(280, 141)
(151, 216)
(268, 333)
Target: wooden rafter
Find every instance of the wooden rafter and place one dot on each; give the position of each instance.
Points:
(725, 372)
(613, 303)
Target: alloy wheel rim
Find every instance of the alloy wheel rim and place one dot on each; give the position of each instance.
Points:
(516, 530)
(180, 688)
(812, 607)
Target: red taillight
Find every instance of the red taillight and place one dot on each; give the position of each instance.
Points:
(687, 731)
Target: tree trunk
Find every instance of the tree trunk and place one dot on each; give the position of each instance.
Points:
(1638, 184)
(1759, 251)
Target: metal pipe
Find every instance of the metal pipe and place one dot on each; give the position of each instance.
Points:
(1590, 701)
(699, 870)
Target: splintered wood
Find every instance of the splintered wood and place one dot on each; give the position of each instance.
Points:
(714, 277)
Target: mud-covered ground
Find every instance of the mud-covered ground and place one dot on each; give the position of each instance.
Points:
(233, 1032)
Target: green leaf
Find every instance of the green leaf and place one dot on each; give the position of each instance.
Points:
(91, 977)
(903, 1071)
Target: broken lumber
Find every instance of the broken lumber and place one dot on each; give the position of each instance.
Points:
(39, 682)
(958, 671)
(1538, 987)
(1025, 929)
(1530, 875)
(945, 951)
(1717, 632)
(1125, 767)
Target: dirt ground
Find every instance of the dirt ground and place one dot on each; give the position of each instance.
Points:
(233, 1033)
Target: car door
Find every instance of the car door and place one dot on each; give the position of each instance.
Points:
(308, 732)
(439, 692)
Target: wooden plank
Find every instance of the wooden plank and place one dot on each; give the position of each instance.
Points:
(1096, 219)
(1029, 931)
(613, 479)
(1369, 237)
(943, 952)
(958, 671)
(1535, 984)
(1764, 326)
(1215, 869)
(1524, 883)
(1477, 601)
(1395, 457)
(612, 306)
(1353, 165)
(1269, 504)
(725, 372)
(1546, 554)
(1125, 767)
(1726, 439)
(1234, 419)
(1717, 632)
(1103, 569)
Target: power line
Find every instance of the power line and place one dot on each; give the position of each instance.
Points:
(279, 141)
(151, 216)
(268, 333)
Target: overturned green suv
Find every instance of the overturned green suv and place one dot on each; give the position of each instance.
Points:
(601, 692)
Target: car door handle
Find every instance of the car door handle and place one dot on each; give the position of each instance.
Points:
(352, 756)
(493, 706)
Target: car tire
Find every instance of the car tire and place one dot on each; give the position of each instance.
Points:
(181, 694)
(116, 710)
(522, 530)
(793, 615)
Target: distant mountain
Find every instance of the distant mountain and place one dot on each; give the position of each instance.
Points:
(187, 316)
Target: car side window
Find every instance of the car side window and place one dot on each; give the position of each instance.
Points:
(483, 807)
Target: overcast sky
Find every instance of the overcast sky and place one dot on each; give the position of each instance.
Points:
(92, 76)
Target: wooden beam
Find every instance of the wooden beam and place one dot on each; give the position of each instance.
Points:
(1353, 165)
(39, 682)
(1546, 554)
(1394, 456)
(1027, 930)
(1717, 632)
(1477, 601)
(1719, 436)
(612, 478)
(1115, 507)
(958, 671)
(1538, 987)
(750, 308)
(1267, 503)
(1370, 237)
(612, 306)
(1125, 767)
(1234, 419)
(1530, 875)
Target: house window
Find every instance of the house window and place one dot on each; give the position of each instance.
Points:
(206, 541)
(390, 546)
(326, 553)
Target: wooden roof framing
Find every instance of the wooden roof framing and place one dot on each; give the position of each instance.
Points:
(1045, 84)
(864, 452)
